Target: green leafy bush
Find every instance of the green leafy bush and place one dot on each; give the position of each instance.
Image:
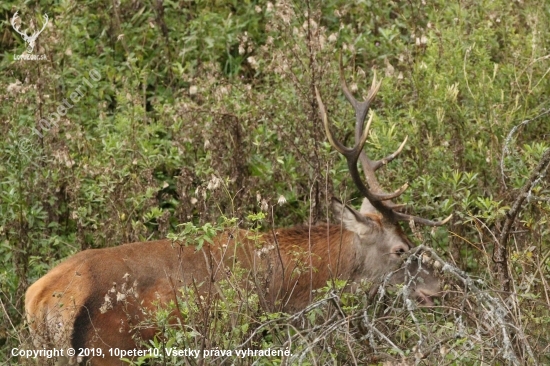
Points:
(205, 110)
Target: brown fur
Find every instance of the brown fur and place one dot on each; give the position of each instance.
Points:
(95, 298)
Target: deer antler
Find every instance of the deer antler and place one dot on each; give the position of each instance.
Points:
(376, 196)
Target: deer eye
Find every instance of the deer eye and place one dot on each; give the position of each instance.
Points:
(400, 251)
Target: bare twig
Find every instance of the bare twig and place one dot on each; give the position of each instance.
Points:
(506, 145)
(496, 310)
(500, 254)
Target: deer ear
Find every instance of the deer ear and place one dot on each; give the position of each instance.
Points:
(352, 219)
(368, 208)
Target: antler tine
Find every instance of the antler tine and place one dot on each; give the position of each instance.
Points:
(361, 108)
(378, 163)
(335, 143)
(420, 220)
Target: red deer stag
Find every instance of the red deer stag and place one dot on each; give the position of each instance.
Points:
(85, 301)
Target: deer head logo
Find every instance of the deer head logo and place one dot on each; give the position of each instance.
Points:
(30, 40)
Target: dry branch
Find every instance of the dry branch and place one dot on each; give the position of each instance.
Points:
(500, 254)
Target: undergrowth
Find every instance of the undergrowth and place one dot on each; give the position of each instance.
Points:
(195, 111)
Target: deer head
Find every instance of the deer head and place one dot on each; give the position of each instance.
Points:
(377, 205)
